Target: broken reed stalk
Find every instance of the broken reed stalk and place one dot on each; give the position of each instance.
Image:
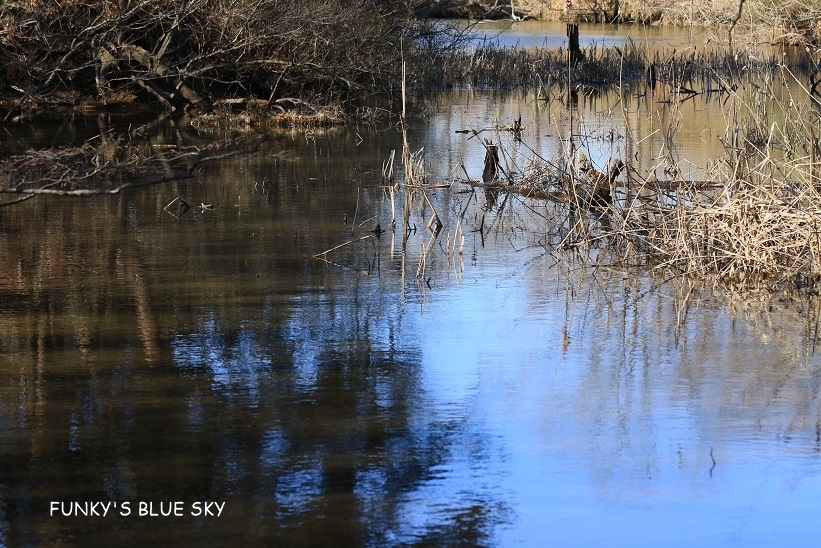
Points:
(423, 256)
(387, 168)
(435, 218)
(455, 244)
(459, 237)
(464, 169)
(415, 172)
(391, 192)
(420, 269)
(407, 157)
(316, 256)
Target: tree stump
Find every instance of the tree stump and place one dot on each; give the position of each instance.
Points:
(491, 171)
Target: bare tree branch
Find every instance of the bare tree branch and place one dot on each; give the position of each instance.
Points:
(185, 53)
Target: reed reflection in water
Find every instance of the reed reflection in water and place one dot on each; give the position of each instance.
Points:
(512, 398)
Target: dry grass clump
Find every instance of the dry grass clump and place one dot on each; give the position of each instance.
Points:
(756, 231)
(763, 234)
(757, 221)
(754, 221)
(226, 120)
(318, 118)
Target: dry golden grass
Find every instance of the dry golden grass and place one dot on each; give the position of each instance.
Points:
(759, 231)
(762, 233)
(319, 118)
(755, 221)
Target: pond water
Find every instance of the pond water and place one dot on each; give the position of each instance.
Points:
(400, 390)
(551, 34)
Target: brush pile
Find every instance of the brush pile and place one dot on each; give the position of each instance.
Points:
(756, 231)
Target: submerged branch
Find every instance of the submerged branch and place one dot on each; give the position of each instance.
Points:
(322, 254)
(106, 169)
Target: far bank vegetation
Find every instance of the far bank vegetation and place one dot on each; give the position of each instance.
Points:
(191, 55)
(774, 21)
(302, 57)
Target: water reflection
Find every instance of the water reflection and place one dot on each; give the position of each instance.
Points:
(508, 397)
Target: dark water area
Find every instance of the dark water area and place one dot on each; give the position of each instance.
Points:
(552, 34)
(227, 376)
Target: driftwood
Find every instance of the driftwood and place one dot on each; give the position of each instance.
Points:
(177, 207)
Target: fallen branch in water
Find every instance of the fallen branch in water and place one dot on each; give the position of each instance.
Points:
(105, 165)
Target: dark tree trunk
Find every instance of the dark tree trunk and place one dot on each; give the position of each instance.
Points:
(576, 54)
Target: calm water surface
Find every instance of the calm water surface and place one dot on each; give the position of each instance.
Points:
(552, 34)
(494, 394)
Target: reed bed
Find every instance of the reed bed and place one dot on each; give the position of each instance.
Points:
(759, 231)
(757, 221)
(490, 66)
(755, 235)
(754, 222)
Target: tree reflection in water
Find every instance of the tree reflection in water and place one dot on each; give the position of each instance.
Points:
(150, 359)
(514, 398)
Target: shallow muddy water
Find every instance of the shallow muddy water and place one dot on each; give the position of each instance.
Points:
(495, 393)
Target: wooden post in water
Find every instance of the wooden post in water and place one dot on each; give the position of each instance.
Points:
(576, 54)
(574, 51)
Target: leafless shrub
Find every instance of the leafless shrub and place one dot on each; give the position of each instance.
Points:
(190, 54)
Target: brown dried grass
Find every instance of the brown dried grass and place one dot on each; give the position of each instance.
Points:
(755, 222)
(758, 234)
(759, 231)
